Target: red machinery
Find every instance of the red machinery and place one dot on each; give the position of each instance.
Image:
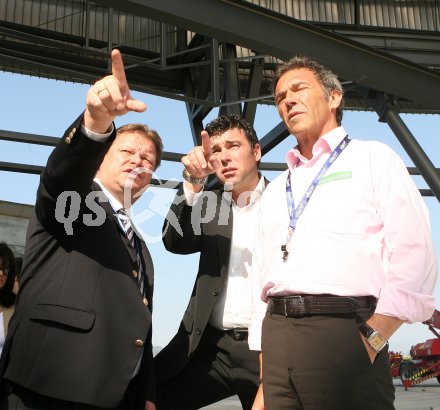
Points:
(424, 363)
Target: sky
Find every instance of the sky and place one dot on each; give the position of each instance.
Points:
(48, 107)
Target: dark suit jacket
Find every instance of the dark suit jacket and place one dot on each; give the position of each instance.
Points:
(79, 320)
(214, 243)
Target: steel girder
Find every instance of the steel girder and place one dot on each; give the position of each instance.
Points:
(242, 23)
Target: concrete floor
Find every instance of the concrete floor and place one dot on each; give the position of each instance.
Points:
(424, 396)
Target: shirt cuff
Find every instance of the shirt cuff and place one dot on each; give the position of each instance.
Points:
(94, 136)
(191, 197)
(405, 305)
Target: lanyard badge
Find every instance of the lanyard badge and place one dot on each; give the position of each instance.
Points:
(294, 214)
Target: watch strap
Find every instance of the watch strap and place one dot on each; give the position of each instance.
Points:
(366, 330)
(373, 337)
(192, 180)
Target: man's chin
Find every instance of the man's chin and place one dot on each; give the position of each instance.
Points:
(229, 183)
(135, 188)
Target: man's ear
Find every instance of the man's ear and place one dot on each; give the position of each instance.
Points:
(257, 152)
(335, 99)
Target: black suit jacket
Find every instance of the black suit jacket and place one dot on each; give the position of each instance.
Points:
(80, 323)
(214, 243)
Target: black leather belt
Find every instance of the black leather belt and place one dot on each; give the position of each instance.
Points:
(238, 335)
(300, 305)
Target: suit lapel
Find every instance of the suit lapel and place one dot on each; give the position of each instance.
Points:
(146, 257)
(110, 212)
(223, 221)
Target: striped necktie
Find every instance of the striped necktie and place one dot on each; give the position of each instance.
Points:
(135, 243)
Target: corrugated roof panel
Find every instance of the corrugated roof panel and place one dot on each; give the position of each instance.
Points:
(69, 17)
(402, 14)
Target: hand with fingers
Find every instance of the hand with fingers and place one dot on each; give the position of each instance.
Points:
(199, 162)
(110, 97)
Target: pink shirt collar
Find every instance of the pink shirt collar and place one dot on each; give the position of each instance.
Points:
(325, 144)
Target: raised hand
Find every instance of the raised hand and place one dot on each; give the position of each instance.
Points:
(198, 162)
(110, 97)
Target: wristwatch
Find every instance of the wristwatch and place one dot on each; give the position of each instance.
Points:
(373, 337)
(188, 177)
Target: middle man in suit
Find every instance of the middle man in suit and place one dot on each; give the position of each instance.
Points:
(209, 358)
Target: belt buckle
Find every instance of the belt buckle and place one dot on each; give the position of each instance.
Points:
(298, 298)
(238, 335)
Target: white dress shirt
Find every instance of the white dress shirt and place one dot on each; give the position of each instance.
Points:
(234, 304)
(365, 231)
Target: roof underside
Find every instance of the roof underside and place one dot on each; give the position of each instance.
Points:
(222, 53)
(390, 46)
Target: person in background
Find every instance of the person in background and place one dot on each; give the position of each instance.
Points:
(209, 357)
(8, 275)
(19, 266)
(343, 256)
(80, 337)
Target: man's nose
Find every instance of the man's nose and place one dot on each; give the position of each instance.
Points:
(224, 156)
(290, 97)
(136, 158)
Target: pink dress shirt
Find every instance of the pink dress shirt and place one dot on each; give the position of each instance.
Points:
(365, 231)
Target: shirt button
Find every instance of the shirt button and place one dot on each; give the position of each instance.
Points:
(145, 300)
(139, 343)
(199, 332)
(215, 292)
(135, 273)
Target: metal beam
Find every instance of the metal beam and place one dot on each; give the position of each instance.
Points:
(28, 138)
(255, 77)
(240, 22)
(414, 150)
(383, 105)
(38, 169)
(273, 138)
(231, 83)
(36, 139)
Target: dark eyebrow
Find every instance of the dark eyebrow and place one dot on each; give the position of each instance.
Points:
(279, 95)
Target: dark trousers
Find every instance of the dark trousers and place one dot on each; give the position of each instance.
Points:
(219, 368)
(320, 362)
(20, 398)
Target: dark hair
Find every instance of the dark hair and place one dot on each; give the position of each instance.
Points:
(328, 79)
(224, 123)
(7, 296)
(147, 132)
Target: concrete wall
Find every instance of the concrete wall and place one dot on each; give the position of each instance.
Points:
(14, 219)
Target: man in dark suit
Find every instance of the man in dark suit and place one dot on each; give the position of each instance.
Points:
(209, 358)
(80, 337)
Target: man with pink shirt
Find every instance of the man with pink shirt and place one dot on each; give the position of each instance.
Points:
(343, 257)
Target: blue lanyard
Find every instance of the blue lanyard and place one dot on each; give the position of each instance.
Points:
(295, 213)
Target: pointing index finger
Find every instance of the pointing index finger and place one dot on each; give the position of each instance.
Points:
(206, 144)
(118, 70)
